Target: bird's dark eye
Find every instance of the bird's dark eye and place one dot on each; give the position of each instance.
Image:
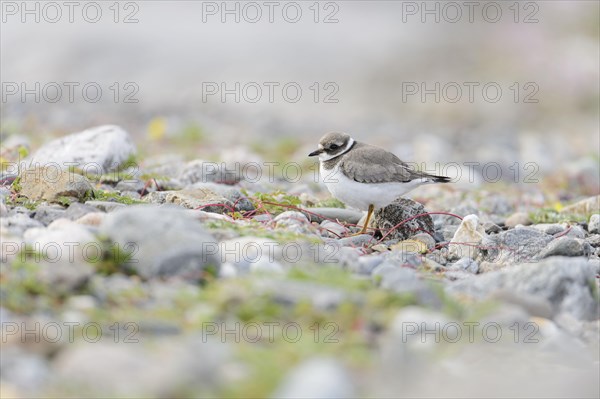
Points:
(334, 147)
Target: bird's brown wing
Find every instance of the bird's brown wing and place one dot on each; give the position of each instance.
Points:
(369, 164)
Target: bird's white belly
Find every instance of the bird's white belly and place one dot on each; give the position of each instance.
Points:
(361, 195)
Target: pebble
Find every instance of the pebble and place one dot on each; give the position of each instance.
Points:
(333, 229)
(234, 196)
(594, 224)
(293, 221)
(46, 214)
(356, 241)
(76, 210)
(466, 264)
(164, 242)
(550, 228)
(566, 246)
(575, 232)
(201, 199)
(105, 206)
(366, 264)
(514, 246)
(491, 228)
(17, 224)
(519, 218)
(396, 278)
(426, 239)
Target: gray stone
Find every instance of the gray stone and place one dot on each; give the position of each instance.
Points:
(399, 211)
(496, 204)
(105, 206)
(566, 246)
(97, 150)
(263, 265)
(532, 304)
(157, 197)
(593, 240)
(449, 231)
(318, 378)
(293, 221)
(405, 280)
(202, 199)
(134, 185)
(18, 223)
(594, 224)
(160, 369)
(333, 229)
(401, 258)
(292, 292)
(164, 165)
(514, 246)
(567, 283)
(461, 210)
(51, 184)
(466, 264)
(515, 219)
(115, 286)
(550, 228)
(335, 255)
(425, 239)
(356, 241)
(245, 252)
(5, 192)
(165, 242)
(199, 171)
(575, 232)
(46, 214)
(26, 371)
(342, 215)
(76, 210)
(366, 264)
(237, 199)
(392, 277)
(491, 228)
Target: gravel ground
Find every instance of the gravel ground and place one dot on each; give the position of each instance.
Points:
(158, 276)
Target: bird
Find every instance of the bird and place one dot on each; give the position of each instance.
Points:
(366, 177)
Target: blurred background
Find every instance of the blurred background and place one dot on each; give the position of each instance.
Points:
(363, 67)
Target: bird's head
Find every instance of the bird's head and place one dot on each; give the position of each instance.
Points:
(332, 145)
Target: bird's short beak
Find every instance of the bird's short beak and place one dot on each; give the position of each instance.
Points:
(315, 153)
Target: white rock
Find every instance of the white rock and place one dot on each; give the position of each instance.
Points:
(469, 232)
(97, 150)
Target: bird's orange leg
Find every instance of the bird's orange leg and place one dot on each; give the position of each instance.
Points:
(366, 225)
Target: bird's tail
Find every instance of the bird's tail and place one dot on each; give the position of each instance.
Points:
(439, 179)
